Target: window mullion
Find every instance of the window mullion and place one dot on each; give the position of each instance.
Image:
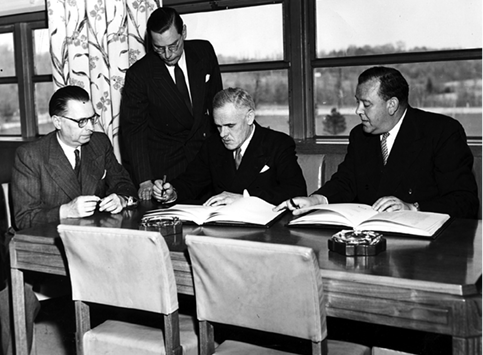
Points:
(24, 68)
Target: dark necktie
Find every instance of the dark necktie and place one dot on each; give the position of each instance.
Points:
(384, 150)
(181, 84)
(238, 157)
(77, 165)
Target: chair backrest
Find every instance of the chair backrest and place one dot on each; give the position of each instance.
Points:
(263, 286)
(312, 166)
(7, 215)
(120, 267)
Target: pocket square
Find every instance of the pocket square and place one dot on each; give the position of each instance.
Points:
(207, 77)
(265, 168)
(104, 175)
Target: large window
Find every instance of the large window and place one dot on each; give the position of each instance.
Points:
(251, 41)
(300, 59)
(25, 75)
(431, 42)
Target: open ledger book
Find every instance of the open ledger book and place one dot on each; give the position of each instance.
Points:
(246, 211)
(363, 217)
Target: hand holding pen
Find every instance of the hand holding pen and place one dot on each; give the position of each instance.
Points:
(297, 203)
(163, 191)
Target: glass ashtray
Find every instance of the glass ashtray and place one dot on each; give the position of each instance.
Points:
(165, 226)
(355, 242)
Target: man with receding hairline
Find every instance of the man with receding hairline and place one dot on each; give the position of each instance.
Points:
(244, 156)
(400, 158)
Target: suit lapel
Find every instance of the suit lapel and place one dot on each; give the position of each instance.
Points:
(197, 84)
(224, 165)
(253, 161)
(404, 153)
(60, 169)
(90, 167)
(169, 91)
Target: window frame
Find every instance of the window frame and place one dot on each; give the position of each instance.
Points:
(22, 26)
(300, 58)
(294, 60)
(300, 61)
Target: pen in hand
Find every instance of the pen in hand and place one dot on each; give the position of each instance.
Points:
(294, 205)
(162, 185)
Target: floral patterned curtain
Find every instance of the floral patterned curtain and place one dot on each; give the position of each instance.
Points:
(93, 43)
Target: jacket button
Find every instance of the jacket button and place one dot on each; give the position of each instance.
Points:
(410, 191)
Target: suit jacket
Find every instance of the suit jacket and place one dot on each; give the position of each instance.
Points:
(268, 170)
(43, 178)
(159, 135)
(430, 163)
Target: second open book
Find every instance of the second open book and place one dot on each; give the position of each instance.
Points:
(364, 217)
(246, 211)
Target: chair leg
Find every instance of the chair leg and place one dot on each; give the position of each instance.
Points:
(320, 348)
(83, 324)
(171, 334)
(207, 338)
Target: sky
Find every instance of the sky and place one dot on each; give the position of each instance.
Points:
(450, 24)
(255, 32)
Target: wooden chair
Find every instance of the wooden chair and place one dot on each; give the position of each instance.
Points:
(262, 286)
(129, 269)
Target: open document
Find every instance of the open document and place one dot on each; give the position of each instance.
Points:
(364, 217)
(249, 211)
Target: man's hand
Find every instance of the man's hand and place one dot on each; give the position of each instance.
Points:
(164, 192)
(296, 203)
(145, 190)
(112, 203)
(81, 206)
(392, 204)
(225, 198)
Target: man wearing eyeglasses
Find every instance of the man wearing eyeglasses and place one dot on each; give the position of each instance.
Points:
(51, 181)
(166, 107)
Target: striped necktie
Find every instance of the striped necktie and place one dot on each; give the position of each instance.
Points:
(238, 157)
(384, 150)
(77, 165)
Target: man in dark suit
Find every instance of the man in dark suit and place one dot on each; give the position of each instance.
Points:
(244, 156)
(428, 164)
(166, 106)
(45, 184)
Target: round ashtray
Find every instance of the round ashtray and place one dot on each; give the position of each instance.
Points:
(354, 243)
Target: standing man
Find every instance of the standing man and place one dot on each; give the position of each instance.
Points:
(243, 156)
(399, 157)
(166, 107)
(72, 170)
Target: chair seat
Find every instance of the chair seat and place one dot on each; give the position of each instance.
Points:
(120, 338)
(335, 347)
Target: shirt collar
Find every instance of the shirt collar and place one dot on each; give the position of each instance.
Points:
(245, 144)
(68, 150)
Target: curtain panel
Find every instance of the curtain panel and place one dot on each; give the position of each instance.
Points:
(93, 43)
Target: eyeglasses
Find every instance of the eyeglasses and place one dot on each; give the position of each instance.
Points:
(83, 121)
(171, 48)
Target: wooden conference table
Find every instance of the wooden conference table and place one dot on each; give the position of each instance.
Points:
(433, 286)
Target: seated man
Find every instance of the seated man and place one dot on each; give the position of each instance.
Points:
(423, 164)
(244, 156)
(45, 184)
